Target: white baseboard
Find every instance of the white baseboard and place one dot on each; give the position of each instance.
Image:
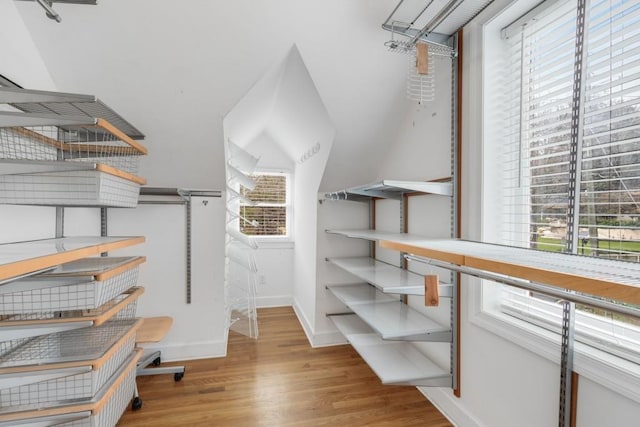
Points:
(449, 405)
(189, 351)
(274, 301)
(320, 339)
(306, 325)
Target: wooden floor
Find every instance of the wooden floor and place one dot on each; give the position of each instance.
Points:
(279, 380)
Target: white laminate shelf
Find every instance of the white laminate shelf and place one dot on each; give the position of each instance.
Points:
(390, 318)
(376, 235)
(386, 277)
(392, 189)
(394, 362)
(25, 258)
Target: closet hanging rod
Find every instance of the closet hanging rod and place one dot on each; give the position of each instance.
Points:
(531, 286)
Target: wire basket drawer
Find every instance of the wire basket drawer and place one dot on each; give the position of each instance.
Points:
(52, 383)
(85, 284)
(21, 334)
(102, 143)
(70, 188)
(104, 410)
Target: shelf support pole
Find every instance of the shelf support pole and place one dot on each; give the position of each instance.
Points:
(566, 364)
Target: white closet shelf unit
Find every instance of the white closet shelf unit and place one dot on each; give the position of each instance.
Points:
(394, 362)
(68, 326)
(382, 328)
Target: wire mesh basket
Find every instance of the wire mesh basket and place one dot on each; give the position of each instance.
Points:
(107, 163)
(99, 186)
(104, 410)
(85, 284)
(42, 385)
(102, 143)
(123, 306)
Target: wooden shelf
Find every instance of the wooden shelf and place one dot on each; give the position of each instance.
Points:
(611, 279)
(154, 329)
(391, 319)
(386, 277)
(24, 258)
(394, 362)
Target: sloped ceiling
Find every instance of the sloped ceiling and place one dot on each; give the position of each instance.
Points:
(174, 69)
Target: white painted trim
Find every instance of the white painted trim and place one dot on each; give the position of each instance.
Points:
(306, 325)
(189, 351)
(328, 339)
(449, 405)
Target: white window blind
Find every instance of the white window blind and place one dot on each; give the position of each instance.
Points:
(267, 214)
(535, 158)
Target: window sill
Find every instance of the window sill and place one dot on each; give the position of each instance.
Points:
(267, 243)
(612, 372)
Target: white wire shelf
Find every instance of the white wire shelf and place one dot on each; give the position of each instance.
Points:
(392, 189)
(386, 277)
(50, 383)
(84, 284)
(23, 258)
(103, 410)
(394, 362)
(391, 319)
(605, 278)
(65, 104)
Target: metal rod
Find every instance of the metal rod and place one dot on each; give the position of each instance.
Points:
(533, 286)
(49, 10)
(441, 16)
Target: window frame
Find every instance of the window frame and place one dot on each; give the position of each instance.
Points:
(275, 239)
(613, 372)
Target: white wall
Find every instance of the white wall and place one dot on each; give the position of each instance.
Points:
(198, 329)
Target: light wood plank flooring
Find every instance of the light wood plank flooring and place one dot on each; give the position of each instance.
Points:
(279, 380)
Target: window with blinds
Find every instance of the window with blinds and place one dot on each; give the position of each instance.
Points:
(264, 212)
(551, 110)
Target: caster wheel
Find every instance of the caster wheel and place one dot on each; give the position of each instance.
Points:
(178, 376)
(136, 404)
(156, 361)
